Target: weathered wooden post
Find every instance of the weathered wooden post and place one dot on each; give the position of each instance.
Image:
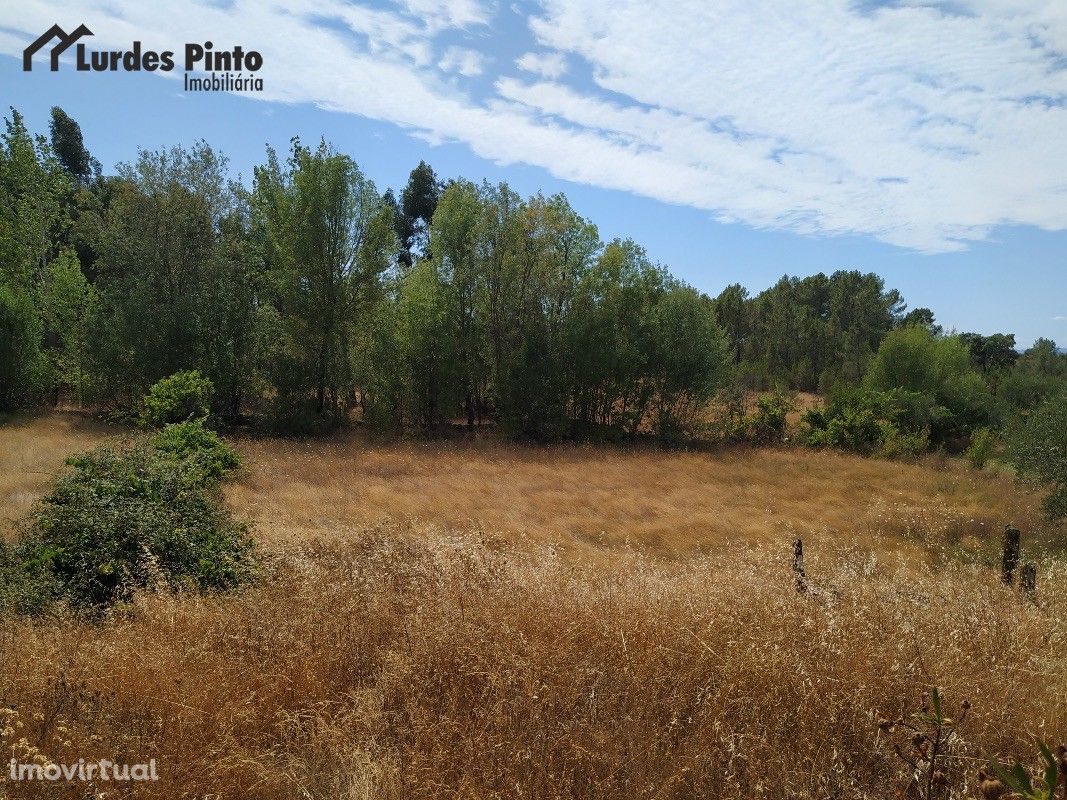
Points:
(798, 565)
(1011, 554)
(1028, 580)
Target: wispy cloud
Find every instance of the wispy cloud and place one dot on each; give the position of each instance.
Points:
(462, 60)
(920, 124)
(547, 65)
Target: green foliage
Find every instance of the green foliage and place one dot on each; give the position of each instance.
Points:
(732, 314)
(982, 447)
(157, 269)
(33, 187)
(1040, 373)
(426, 338)
(845, 427)
(201, 455)
(896, 443)
(69, 306)
(766, 424)
(147, 516)
(21, 362)
(991, 353)
(179, 397)
(687, 358)
(313, 300)
(27, 585)
(937, 369)
(67, 144)
(328, 240)
(891, 424)
(1037, 446)
(1018, 779)
(811, 333)
(418, 205)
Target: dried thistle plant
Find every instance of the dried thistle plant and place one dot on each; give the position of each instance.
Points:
(924, 741)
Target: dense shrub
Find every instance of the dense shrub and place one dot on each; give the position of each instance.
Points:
(891, 424)
(199, 454)
(120, 519)
(765, 425)
(845, 427)
(936, 374)
(27, 586)
(179, 397)
(981, 449)
(1038, 448)
(897, 443)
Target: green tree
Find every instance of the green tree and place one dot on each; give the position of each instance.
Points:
(32, 218)
(426, 342)
(454, 238)
(991, 353)
(153, 268)
(21, 362)
(418, 203)
(70, 306)
(329, 239)
(914, 360)
(69, 148)
(732, 315)
(922, 318)
(1037, 445)
(689, 358)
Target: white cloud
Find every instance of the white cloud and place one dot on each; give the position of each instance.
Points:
(547, 65)
(462, 60)
(440, 14)
(914, 124)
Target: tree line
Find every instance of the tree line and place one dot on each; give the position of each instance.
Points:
(312, 299)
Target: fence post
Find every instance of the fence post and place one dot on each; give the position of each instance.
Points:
(1028, 580)
(1011, 554)
(798, 565)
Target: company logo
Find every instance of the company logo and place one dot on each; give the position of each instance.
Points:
(65, 41)
(222, 70)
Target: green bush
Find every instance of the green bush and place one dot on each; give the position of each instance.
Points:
(181, 397)
(148, 516)
(200, 454)
(1037, 446)
(850, 428)
(936, 373)
(766, 425)
(981, 449)
(27, 586)
(893, 424)
(902, 444)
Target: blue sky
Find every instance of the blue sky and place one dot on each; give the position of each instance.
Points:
(735, 141)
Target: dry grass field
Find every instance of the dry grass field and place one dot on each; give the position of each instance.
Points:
(476, 620)
(661, 503)
(31, 450)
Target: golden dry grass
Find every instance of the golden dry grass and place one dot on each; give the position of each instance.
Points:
(466, 620)
(671, 504)
(32, 448)
(414, 664)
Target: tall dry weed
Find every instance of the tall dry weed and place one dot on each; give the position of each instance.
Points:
(421, 663)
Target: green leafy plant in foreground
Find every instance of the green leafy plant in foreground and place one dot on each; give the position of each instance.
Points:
(1017, 779)
(146, 516)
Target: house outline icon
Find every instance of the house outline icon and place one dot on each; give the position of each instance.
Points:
(65, 41)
